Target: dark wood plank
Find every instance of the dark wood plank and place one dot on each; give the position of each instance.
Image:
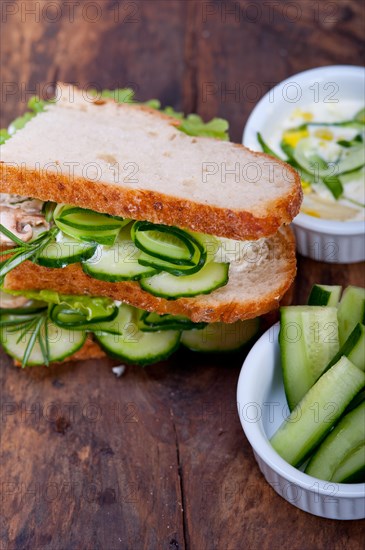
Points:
(88, 461)
(137, 44)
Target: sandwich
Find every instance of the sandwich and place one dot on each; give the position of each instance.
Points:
(127, 233)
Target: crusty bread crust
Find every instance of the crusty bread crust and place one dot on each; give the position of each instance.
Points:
(151, 205)
(247, 295)
(155, 202)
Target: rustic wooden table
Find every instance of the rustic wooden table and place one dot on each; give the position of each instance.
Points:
(157, 459)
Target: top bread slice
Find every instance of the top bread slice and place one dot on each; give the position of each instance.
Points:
(133, 162)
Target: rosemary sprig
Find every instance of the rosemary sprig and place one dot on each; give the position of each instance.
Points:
(33, 325)
(35, 336)
(25, 251)
(11, 235)
(26, 327)
(48, 209)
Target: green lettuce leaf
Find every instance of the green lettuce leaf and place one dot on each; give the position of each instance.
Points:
(4, 135)
(90, 306)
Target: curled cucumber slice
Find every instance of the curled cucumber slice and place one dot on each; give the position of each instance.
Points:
(87, 225)
(65, 250)
(168, 248)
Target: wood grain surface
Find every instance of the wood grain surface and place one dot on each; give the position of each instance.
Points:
(157, 459)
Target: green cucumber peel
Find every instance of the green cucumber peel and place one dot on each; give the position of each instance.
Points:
(324, 295)
(153, 322)
(303, 431)
(345, 439)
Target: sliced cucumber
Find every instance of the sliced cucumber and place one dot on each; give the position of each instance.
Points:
(349, 159)
(65, 250)
(308, 340)
(117, 263)
(356, 175)
(152, 322)
(352, 468)
(344, 440)
(137, 347)
(353, 348)
(169, 267)
(168, 249)
(65, 316)
(317, 412)
(87, 225)
(114, 326)
(221, 337)
(212, 276)
(351, 311)
(62, 344)
(324, 295)
(164, 242)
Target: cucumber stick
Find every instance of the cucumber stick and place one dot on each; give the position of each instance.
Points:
(317, 412)
(339, 445)
(308, 340)
(353, 348)
(351, 311)
(324, 295)
(352, 468)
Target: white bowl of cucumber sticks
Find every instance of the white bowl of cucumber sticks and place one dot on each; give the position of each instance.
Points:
(314, 120)
(316, 460)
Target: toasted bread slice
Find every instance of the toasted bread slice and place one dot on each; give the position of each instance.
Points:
(256, 285)
(132, 161)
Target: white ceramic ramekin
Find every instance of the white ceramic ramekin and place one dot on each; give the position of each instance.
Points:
(262, 408)
(319, 239)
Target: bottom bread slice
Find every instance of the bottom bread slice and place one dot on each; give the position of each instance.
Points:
(256, 284)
